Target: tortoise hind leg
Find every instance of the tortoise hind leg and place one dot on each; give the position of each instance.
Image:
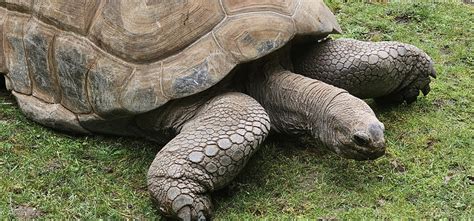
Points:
(390, 72)
(206, 155)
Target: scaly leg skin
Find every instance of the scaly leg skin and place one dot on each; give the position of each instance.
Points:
(390, 72)
(206, 155)
(301, 105)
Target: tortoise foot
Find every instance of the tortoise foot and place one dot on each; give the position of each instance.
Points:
(418, 80)
(389, 72)
(209, 151)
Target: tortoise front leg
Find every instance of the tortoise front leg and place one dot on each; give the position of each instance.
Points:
(206, 155)
(391, 72)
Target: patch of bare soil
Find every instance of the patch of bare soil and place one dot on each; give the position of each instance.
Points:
(23, 212)
(403, 19)
(446, 50)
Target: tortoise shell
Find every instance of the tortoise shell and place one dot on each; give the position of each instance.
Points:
(110, 58)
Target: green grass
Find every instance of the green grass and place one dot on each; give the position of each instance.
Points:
(428, 171)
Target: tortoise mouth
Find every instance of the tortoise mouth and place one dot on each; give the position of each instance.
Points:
(361, 155)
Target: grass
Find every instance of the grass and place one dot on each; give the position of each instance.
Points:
(428, 171)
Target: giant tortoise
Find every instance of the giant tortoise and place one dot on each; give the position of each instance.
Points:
(210, 78)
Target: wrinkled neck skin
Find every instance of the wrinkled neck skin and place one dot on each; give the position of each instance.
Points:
(295, 106)
(299, 105)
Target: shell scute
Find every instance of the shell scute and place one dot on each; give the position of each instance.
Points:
(254, 35)
(74, 15)
(3, 16)
(105, 84)
(73, 61)
(15, 52)
(285, 7)
(18, 5)
(38, 42)
(143, 31)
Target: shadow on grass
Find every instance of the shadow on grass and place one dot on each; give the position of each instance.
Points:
(3, 87)
(267, 172)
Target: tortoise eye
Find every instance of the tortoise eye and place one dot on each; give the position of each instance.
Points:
(361, 139)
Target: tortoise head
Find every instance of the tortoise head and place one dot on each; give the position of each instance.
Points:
(352, 130)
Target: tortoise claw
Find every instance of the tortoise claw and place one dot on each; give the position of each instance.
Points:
(201, 216)
(185, 214)
(432, 70)
(426, 90)
(411, 95)
(420, 79)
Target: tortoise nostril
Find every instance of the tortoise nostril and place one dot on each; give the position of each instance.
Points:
(376, 130)
(361, 139)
